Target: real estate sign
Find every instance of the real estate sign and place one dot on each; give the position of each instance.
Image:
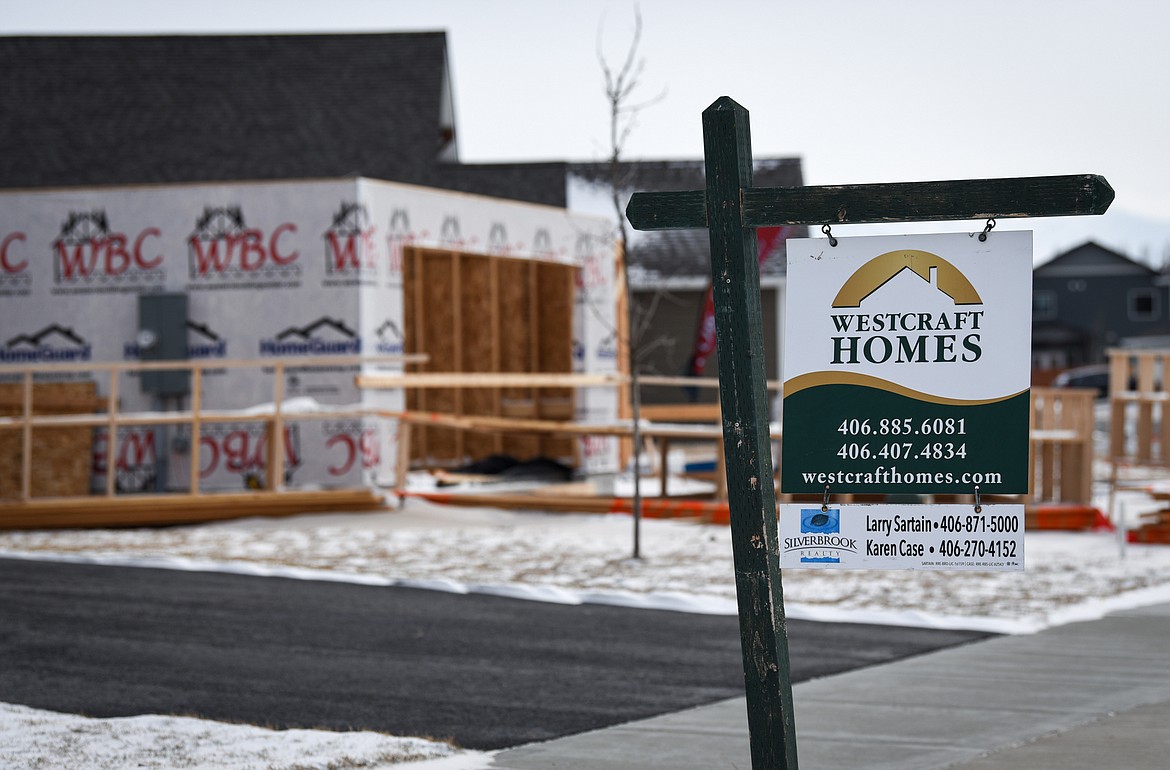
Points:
(907, 364)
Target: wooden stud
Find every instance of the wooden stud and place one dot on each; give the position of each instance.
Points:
(194, 447)
(112, 434)
(1048, 451)
(457, 342)
(1085, 439)
(496, 346)
(275, 476)
(534, 335)
(402, 461)
(420, 339)
(622, 321)
(26, 442)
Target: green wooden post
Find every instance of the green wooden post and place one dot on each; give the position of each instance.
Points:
(731, 209)
(735, 278)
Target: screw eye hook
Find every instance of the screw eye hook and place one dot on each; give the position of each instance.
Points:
(978, 505)
(825, 501)
(987, 229)
(829, 232)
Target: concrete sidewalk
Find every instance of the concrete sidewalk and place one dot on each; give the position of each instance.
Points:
(1085, 695)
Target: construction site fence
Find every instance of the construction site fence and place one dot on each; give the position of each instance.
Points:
(1061, 446)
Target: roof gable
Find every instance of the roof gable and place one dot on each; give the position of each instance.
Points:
(1090, 259)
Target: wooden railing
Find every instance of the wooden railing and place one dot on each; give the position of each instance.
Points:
(1061, 452)
(1061, 436)
(193, 417)
(1137, 399)
(1139, 430)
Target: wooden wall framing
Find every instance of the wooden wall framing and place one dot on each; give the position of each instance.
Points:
(46, 428)
(486, 313)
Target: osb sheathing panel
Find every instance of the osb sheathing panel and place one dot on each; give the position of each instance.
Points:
(475, 313)
(61, 457)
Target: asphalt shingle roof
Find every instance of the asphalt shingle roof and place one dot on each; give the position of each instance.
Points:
(124, 109)
(129, 109)
(143, 109)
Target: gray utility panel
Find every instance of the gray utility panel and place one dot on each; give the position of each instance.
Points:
(162, 336)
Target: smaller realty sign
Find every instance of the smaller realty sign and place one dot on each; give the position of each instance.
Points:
(929, 537)
(907, 364)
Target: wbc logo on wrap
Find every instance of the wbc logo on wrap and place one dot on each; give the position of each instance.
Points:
(349, 247)
(15, 279)
(91, 257)
(224, 252)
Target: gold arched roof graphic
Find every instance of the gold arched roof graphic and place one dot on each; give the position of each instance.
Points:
(820, 379)
(878, 271)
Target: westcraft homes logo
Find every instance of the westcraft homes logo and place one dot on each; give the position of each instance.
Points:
(322, 337)
(52, 344)
(223, 252)
(903, 337)
(89, 256)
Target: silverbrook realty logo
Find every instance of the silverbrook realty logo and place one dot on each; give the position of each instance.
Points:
(820, 539)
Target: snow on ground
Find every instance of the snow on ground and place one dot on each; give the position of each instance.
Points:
(31, 738)
(574, 558)
(565, 558)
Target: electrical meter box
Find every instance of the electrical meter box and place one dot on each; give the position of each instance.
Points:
(162, 336)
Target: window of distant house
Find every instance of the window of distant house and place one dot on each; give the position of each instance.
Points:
(1144, 305)
(1043, 305)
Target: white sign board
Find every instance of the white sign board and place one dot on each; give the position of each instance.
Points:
(907, 364)
(933, 537)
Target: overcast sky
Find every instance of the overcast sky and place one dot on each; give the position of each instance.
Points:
(862, 91)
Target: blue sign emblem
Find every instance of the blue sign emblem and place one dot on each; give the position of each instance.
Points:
(820, 522)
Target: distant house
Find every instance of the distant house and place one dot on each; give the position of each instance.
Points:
(1089, 299)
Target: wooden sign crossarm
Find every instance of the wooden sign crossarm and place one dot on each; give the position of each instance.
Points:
(1011, 198)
